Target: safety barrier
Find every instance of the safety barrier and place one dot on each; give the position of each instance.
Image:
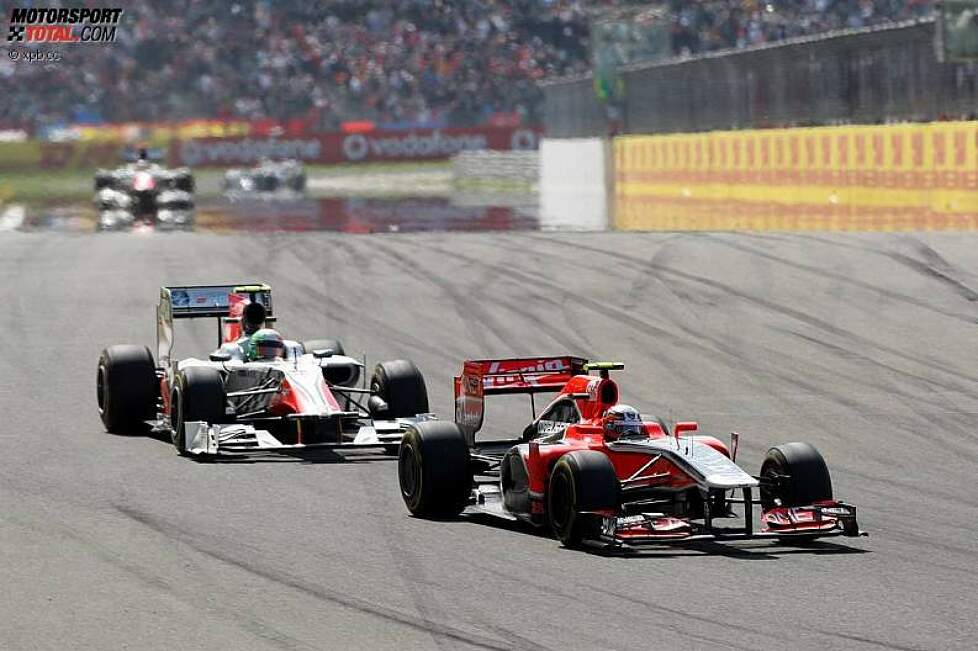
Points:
(485, 166)
(879, 178)
(574, 178)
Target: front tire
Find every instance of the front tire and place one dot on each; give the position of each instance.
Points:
(184, 180)
(400, 384)
(433, 470)
(198, 395)
(796, 475)
(126, 388)
(582, 481)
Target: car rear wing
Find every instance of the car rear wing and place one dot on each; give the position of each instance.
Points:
(202, 301)
(528, 375)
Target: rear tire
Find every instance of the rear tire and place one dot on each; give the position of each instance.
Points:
(198, 394)
(433, 470)
(126, 388)
(583, 480)
(805, 477)
(400, 384)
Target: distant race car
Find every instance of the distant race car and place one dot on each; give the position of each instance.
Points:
(286, 397)
(268, 179)
(142, 191)
(595, 471)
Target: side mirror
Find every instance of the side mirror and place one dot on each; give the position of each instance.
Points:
(530, 432)
(220, 356)
(685, 426)
(377, 406)
(322, 353)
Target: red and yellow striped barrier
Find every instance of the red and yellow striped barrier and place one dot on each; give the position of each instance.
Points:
(851, 178)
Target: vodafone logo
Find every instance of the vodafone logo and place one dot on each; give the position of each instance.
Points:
(248, 150)
(358, 147)
(355, 147)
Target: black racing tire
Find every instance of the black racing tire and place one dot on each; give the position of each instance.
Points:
(127, 388)
(298, 183)
(103, 179)
(334, 345)
(198, 394)
(400, 384)
(804, 477)
(433, 470)
(184, 180)
(583, 480)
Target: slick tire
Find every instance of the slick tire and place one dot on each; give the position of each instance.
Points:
(433, 470)
(198, 394)
(184, 180)
(801, 476)
(581, 481)
(400, 384)
(103, 179)
(126, 388)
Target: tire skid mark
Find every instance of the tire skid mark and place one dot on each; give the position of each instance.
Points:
(910, 485)
(358, 319)
(149, 579)
(479, 322)
(745, 361)
(923, 381)
(937, 266)
(959, 435)
(426, 595)
(716, 345)
(357, 604)
(825, 272)
(928, 270)
(871, 642)
(624, 317)
(793, 313)
(550, 589)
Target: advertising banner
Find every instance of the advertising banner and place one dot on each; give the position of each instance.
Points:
(334, 148)
(875, 177)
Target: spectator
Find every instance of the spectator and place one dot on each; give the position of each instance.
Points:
(396, 62)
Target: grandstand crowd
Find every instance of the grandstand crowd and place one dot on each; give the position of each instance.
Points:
(395, 62)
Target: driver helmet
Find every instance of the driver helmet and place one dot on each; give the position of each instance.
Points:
(252, 318)
(266, 344)
(622, 421)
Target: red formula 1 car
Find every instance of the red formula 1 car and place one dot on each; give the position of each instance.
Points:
(595, 471)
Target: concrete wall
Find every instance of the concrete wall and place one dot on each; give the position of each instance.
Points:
(575, 176)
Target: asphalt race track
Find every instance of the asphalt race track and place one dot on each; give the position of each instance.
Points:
(865, 345)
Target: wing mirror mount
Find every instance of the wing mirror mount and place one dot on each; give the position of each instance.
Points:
(377, 406)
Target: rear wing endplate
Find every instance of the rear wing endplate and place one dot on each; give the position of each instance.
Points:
(529, 375)
(200, 301)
